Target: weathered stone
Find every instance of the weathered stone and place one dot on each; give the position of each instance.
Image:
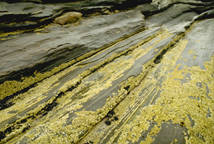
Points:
(27, 15)
(44, 50)
(116, 77)
(70, 17)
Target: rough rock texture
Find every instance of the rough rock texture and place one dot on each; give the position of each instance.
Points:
(126, 73)
(27, 15)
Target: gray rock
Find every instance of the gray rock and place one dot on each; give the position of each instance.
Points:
(32, 14)
(61, 44)
(115, 77)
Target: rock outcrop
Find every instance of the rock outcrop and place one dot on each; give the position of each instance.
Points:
(128, 72)
(27, 15)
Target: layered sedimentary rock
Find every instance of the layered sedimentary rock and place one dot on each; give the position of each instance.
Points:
(126, 72)
(27, 15)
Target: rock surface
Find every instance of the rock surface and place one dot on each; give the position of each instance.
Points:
(126, 73)
(27, 14)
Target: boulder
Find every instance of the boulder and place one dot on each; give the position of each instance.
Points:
(70, 17)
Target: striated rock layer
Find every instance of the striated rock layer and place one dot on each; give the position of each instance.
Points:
(126, 72)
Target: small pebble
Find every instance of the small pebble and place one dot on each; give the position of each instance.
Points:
(115, 118)
(107, 122)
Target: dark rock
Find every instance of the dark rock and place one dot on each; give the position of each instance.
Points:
(110, 114)
(116, 118)
(107, 122)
